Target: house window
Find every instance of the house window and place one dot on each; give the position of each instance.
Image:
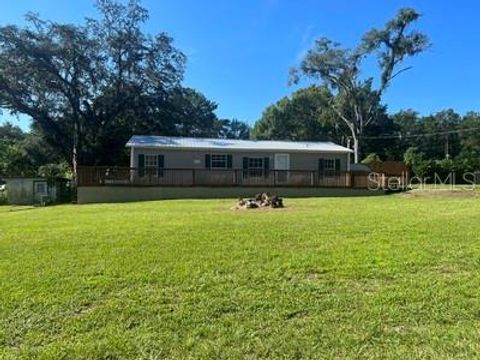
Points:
(255, 166)
(329, 165)
(255, 163)
(219, 161)
(151, 164)
(151, 161)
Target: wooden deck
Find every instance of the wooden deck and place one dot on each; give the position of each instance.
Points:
(161, 177)
(125, 176)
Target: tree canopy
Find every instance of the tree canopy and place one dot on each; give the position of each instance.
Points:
(307, 115)
(356, 101)
(89, 87)
(21, 153)
(441, 142)
(302, 116)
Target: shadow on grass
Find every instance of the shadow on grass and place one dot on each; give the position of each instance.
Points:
(13, 208)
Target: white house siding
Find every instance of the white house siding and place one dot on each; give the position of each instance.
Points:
(188, 159)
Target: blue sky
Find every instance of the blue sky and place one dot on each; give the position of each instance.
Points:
(239, 52)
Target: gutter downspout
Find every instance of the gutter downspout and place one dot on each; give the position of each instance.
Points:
(131, 157)
(132, 162)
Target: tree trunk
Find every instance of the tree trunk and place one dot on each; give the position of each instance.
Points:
(75, 156)
(356, 145)
(356, 150)
(76, 138)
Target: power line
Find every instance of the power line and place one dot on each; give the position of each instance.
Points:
(402, 136)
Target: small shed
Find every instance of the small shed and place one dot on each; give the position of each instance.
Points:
(390, 168)
(37, 190)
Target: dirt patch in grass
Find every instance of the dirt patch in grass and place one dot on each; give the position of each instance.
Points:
(262, 209)
(84, 309)
(441, 193)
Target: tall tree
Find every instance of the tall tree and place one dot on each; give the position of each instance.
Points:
(234, 129)
(193, 114)
(11, 152)
(357, 101)
(440, 139)
(47, 72)
(305, 115)
(469, 156)
(22, 153)
(78, 82)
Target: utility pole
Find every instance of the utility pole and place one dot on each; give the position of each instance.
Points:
(447, 152)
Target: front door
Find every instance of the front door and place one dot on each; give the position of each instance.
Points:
(282, 164)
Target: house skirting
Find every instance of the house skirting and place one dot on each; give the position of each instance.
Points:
(109, 194)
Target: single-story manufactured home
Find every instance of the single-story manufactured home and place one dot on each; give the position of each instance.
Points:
(173, 167)
(256, 158)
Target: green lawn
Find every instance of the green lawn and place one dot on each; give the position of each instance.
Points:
(381, 277)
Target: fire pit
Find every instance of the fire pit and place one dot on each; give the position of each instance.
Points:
(263, 200)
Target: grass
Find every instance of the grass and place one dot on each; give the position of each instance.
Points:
(381, 277)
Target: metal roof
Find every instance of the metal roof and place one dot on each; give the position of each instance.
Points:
(169, 142)
(359, 168)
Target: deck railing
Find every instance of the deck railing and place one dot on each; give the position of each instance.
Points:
(125, 176)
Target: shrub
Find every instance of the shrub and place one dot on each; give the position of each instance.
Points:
(420, 165)
(55, 170)
(371, 158)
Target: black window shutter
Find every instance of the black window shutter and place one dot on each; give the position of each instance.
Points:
(245, 167)
(208, 163)
(266, 165)
(229, 161)
(141, 164)
(337, 164)
(161, 165)
(321, 165)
